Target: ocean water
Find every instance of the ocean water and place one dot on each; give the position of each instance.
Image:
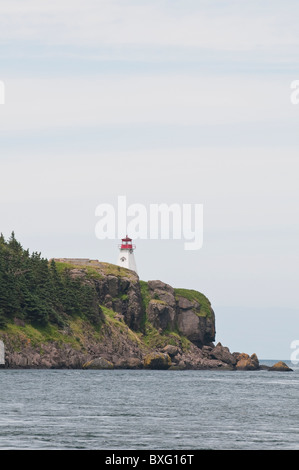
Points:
(147, 410)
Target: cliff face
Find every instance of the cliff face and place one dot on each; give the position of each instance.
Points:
(120, 292)
(186, 312)
(139, 324)
(181, 310)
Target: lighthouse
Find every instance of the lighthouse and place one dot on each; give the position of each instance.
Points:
(126, 257)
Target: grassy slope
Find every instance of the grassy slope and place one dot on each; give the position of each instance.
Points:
(20, 335)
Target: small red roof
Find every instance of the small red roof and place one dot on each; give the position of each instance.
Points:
(127, 239)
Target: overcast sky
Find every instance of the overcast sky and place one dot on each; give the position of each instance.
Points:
(184, 102)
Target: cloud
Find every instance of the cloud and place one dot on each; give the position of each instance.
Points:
(203, 86)
(198, 24)
(37, 104)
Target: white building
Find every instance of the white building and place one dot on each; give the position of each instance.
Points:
(126, 257)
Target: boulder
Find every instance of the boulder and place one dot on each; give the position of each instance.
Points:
(171, 350)
(281, 367)
(162, 289)
(189, 325)
(246, 362)
(215, 364)
(129, 363)
(98, 363)
(185, 304)
(206, 350)
(199, 329)
(160, 314)
(222, 353)
(255, 361)
(157, 360)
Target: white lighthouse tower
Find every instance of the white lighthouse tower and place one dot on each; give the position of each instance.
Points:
(126, 257)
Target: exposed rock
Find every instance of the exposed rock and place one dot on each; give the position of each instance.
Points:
(129, 363)
(2, 354)
(50, 355)
(161, 315)
(121, 294)
(191, 359)
(167, 311)
(215, 364)
(171, 350)
(189, 326)
(157, 360)
(99, 363)
(246, 362)
(197, 328)
(163, 291)
(134, 313)
(264, 367)
(254, 360)
(185, 304)
(223, 354)
(117, 342)
(206, 350)
(281, 367)
(161, 310)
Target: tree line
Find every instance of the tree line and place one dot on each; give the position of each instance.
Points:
(32, 289)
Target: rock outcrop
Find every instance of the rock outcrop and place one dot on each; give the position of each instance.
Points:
(223, 354)
(162, 308)
(118, 288)
(98, 363)
(280, 367)
(157, 360)
(169, 309)
(139, 325)
(246, 362)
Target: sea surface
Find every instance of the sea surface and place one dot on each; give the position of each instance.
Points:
(147, 410)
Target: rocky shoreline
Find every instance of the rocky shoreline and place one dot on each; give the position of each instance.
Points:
(168, 358)
(140, 325)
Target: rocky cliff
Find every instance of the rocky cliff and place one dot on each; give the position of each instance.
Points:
(139, 325)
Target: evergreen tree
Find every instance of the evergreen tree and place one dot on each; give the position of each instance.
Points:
(32, 289)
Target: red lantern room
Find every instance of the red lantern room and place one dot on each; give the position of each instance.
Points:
(127, 244)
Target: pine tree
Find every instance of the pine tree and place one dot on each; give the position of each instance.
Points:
(32, 289)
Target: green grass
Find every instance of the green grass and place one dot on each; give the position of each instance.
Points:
(29, 335)
(93, 272)
(145, 296)
(122, 297)
(115, 270)
(61, 267)
(119, 325)
(108, 312)
(76, 328)
(79, 327)
(154, 339)
(89, 270)
(193, 295)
